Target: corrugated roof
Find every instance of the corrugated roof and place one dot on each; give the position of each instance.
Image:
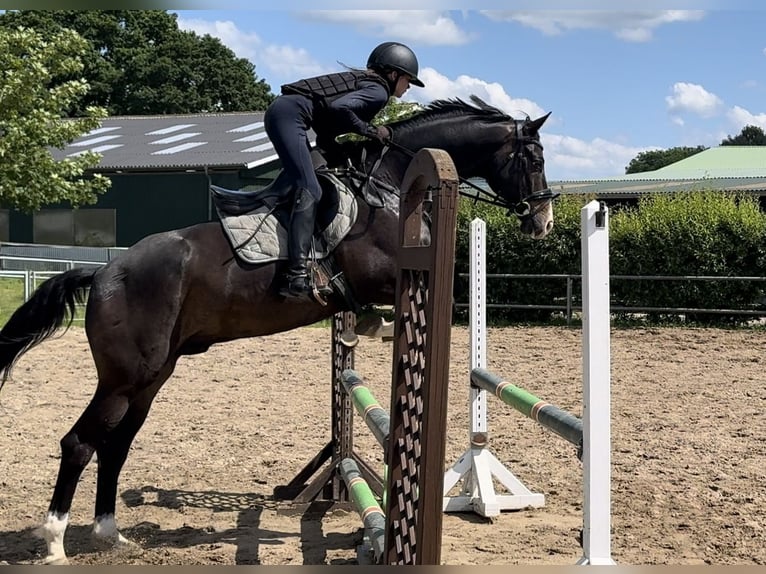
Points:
(175, 142)
(732, 168)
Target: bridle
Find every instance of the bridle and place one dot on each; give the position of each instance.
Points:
(516, 162)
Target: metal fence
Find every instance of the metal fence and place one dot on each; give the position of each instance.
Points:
(26, 265)
(569, 306)
(31, 271)
(27, 256)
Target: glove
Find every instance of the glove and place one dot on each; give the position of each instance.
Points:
(381, 133)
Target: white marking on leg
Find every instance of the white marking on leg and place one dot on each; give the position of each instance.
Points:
(52, 531)
(105, 528)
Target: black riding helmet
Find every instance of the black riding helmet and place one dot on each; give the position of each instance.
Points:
(395, 56)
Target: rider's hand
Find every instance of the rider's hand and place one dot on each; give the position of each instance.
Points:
(383, 133)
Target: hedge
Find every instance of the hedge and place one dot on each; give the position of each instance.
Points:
(683, 234)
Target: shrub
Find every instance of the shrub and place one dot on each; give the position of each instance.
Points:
(685, 234)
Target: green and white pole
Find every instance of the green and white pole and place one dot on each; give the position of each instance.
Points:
(367, 506)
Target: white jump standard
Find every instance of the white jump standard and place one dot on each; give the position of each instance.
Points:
(591, 434)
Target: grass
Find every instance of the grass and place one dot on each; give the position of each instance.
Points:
(12, 297)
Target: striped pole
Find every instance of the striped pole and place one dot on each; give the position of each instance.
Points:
(374, 415)
(564, 424)
(367, 507)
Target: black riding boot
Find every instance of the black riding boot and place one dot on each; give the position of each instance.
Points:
(299, 240)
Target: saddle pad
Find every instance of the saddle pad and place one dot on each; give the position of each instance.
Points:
(259, 237)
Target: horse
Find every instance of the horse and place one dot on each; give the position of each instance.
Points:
(178, 292)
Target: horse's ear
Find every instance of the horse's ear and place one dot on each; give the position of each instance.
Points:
(535, 125)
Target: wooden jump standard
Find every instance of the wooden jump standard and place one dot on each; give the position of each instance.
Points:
(420, 376)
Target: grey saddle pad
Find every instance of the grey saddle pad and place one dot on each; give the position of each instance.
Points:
(258, 236)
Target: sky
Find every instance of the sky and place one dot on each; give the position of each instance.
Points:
(616, 82)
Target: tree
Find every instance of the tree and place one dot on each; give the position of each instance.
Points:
(655, 159)
(750, 135)
(140, 62)
(32, 100)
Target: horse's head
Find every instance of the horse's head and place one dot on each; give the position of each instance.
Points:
(484, 142)
(516, 174)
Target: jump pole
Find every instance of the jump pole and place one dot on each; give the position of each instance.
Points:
(477, 466)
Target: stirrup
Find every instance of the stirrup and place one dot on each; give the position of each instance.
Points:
(308, 289)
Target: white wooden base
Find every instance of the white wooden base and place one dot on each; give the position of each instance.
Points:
(476, 468)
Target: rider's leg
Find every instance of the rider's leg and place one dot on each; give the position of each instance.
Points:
(286, 124)
(299, 244)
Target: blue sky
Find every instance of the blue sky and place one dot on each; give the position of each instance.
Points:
(617, 83)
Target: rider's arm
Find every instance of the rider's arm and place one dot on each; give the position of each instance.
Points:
(352, 112)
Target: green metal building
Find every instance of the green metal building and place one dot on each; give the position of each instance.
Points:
(161, 168)
(724, 168)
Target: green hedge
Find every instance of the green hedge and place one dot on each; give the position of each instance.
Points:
(690, 234)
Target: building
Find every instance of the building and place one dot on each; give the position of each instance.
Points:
(725, 168)
(161, 168)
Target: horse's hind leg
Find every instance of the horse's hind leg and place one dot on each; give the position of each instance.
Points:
(77, 447)
(112, 454)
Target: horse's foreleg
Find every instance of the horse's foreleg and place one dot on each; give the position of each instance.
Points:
(112, 454)
(77, 448)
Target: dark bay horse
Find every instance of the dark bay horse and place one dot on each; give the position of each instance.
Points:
(179, 292)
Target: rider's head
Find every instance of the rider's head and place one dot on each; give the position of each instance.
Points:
(398, 64)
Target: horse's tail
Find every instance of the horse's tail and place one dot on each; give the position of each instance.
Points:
(47, 309)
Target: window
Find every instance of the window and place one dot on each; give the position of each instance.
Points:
(95, 227)
(4, 224)
(91, 227)
(53, 227)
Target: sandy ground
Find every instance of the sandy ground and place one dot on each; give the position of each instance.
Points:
(688, 435)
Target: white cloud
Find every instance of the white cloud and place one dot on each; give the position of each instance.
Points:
(740, 117)
(631, 26)
(568, 158)
(282, 62)
(693, 98)
(422, 26)
(439, 86)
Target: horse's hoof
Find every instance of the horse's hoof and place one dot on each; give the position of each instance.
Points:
(123, 542)
(56, 561)
(349, 339)
(374, 326)
(113, 540)
(127, 548)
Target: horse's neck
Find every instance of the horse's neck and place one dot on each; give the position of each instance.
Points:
(463, 142)
(465, 146)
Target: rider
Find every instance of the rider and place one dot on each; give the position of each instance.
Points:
(331, 105)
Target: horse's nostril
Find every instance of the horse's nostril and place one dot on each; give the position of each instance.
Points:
(549, 226)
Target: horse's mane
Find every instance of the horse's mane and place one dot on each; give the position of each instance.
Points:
(437, 109)
(453, 107)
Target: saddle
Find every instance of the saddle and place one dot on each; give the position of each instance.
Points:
(256, 221)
